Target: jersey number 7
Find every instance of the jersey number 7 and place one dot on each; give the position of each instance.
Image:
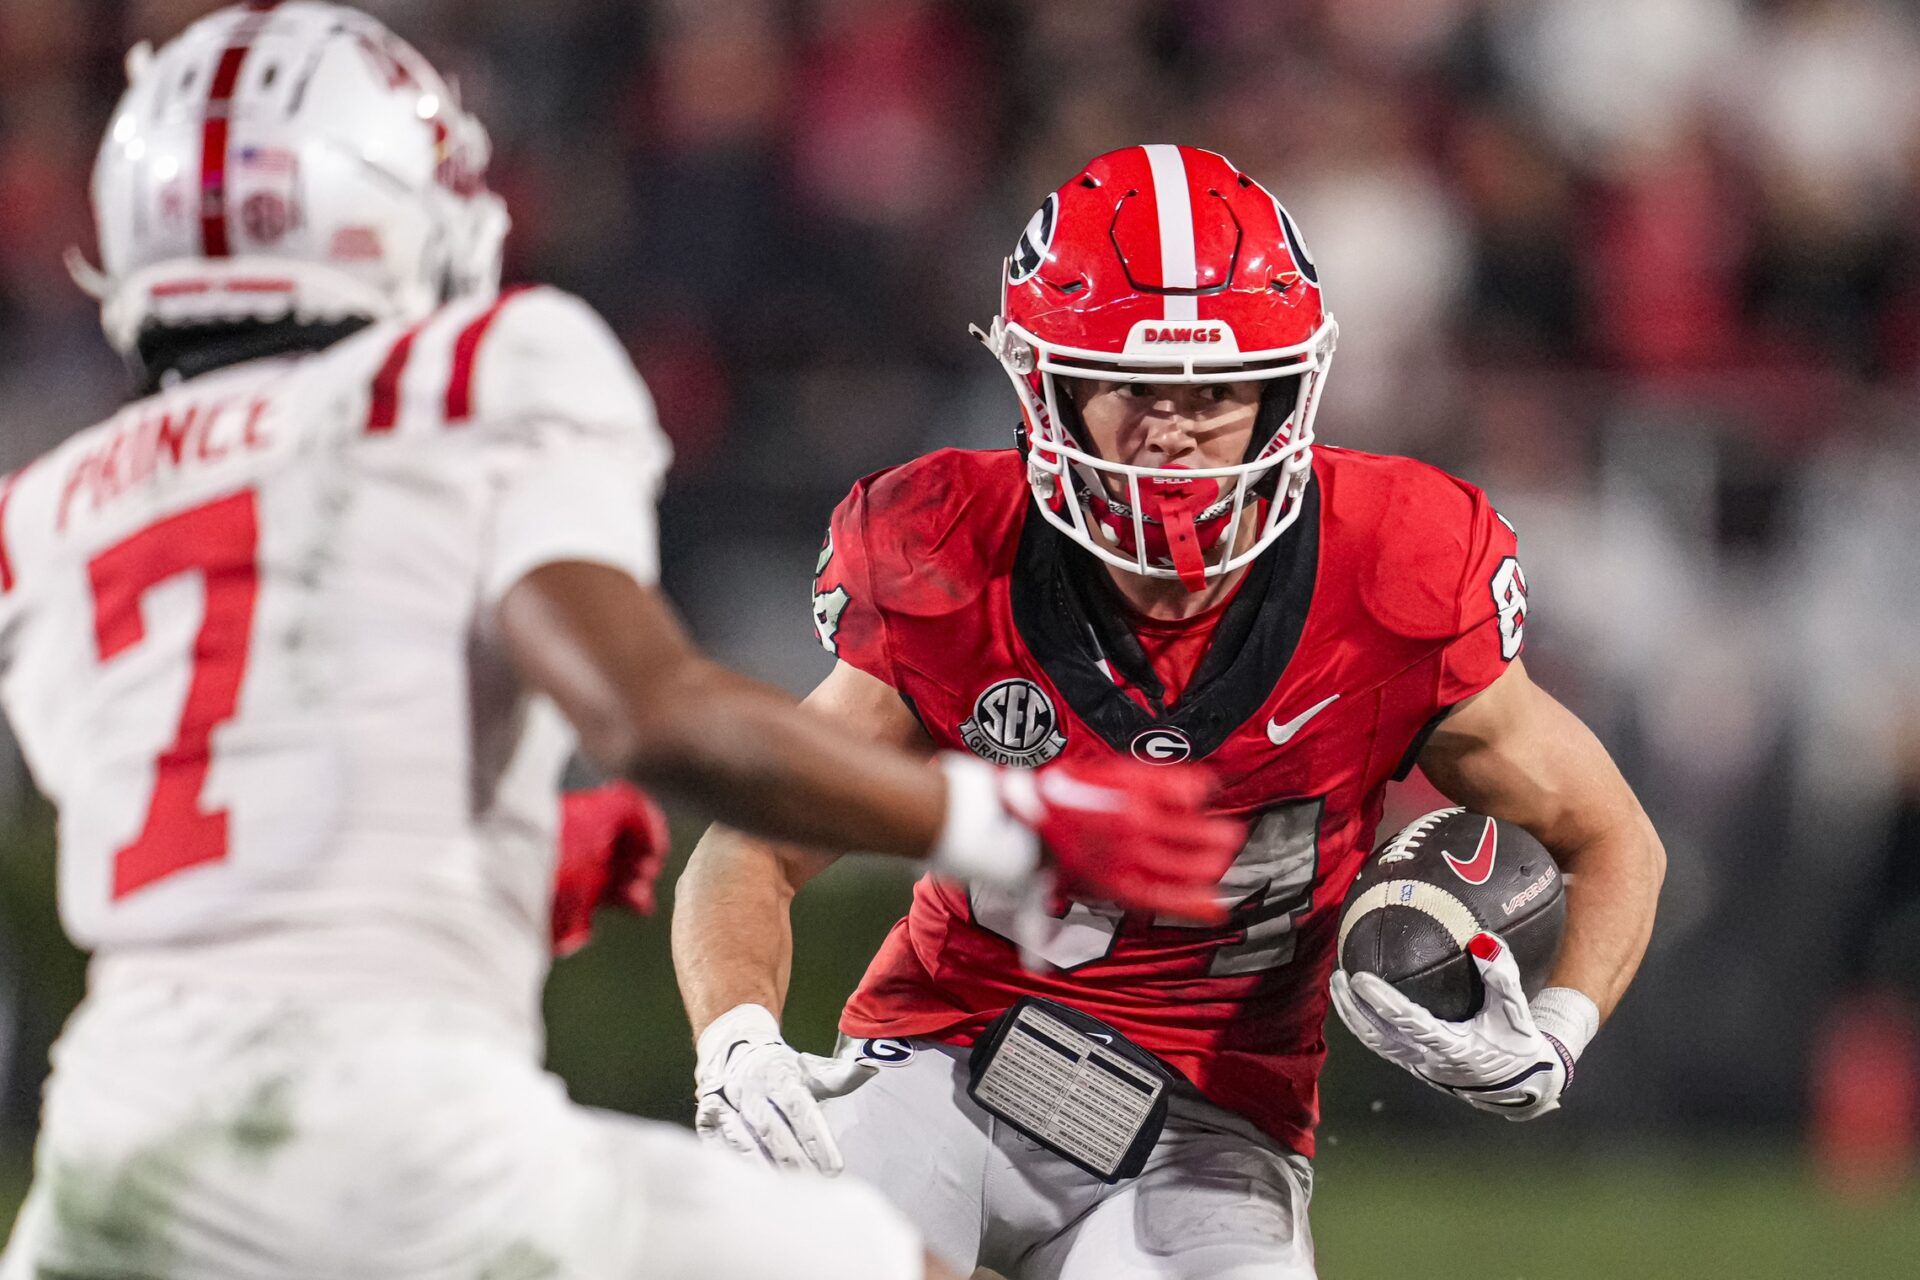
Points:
(219, 541)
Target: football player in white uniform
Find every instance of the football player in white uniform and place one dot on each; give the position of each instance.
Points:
(299, 642)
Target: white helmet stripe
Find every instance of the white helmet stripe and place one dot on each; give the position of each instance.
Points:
(1174, 200)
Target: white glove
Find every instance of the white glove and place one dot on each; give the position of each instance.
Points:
(1512, 1059)
(759, 1095)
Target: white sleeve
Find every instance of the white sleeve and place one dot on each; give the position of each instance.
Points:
(574, 452)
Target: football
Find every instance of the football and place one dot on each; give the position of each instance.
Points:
(1438, 881)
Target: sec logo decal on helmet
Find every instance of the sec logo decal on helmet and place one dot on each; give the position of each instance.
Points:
(1164, 264)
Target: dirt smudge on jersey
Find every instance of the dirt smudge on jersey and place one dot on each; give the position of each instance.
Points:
(304, 638)
(117, 1216)
(265, 1124)
(521, 1260)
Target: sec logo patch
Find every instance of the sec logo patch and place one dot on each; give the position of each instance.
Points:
(1013, 723)
(1162, 746)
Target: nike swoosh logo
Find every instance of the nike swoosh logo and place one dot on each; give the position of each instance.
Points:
(1479, 867)
(1281, 734)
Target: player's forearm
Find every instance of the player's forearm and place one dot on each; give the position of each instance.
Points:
(746, 754)
(1516, 754)
(1613, 890)
(732, 927)
(649, 707)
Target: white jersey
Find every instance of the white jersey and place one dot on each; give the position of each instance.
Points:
(307, 825)
(244, 629)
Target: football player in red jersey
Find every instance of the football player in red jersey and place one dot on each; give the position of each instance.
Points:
(1167, 568)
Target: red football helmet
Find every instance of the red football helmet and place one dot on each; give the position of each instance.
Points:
(1164, 264)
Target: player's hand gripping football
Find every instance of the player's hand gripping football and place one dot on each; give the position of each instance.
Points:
(1102, 830)
(613, 842)
(761, 1097)
(1500, 1060)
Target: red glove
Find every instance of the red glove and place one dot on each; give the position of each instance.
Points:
(1134, 834)
(613, 842)
(1106, 830)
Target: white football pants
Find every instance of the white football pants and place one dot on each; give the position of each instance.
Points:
(1217, 1200)
(192, 1135)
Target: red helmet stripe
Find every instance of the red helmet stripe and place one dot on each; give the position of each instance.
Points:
(214, 131)
(1173, 201)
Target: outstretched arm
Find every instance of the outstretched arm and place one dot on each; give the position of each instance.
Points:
(650, 707)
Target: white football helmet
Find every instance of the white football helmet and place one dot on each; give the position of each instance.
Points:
(288, 160)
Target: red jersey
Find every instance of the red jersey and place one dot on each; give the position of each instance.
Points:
(1396, 595)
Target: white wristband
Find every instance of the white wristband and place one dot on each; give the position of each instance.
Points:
(980, 841)
(1567, 1015)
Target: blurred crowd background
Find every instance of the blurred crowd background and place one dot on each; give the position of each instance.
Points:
(1646, 270)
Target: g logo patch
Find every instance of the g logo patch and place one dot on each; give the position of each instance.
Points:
(1297, 246)
(888, 1051)
(1162, 746)
(1031, 251)
(1013, 723)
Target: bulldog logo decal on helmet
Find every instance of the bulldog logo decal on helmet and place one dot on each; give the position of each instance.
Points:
(1296, 246)
(1034, 242)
